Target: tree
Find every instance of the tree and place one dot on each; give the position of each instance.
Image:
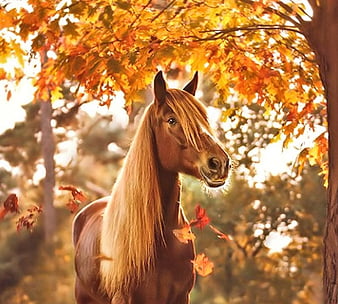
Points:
(270, 52)
(48, 150)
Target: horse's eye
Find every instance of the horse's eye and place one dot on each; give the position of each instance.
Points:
(172, 121)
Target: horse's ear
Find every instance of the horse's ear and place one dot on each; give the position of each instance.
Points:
(192, 85)
(160, 88)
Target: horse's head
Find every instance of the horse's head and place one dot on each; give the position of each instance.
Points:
(183, 135)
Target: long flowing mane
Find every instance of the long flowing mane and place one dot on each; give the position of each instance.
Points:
(133, 218)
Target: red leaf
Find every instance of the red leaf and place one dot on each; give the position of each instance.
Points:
(29, 220)
(3, 213)
(220, 234)
(77, 194)
(72, 206)
(78, 197)
(202, 265)
(10, 205)
(201, 218)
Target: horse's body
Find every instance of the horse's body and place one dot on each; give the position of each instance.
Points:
(126, 252)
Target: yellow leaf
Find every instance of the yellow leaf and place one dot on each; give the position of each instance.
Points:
(291, 96)
(184, 235)
(202, 265)
(56, 94)
(228, 114)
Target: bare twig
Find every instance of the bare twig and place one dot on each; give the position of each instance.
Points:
(291, 11)
(163, 10)
(139, 15)
(221, 34)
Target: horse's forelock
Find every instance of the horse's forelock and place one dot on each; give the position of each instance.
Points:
(191, 114)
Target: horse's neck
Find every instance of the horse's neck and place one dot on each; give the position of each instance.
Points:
(170, 197)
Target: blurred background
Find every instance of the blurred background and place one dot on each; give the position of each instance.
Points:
(274, 214)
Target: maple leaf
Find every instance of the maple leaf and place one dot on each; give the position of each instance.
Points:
(72, 205)
(29, 220)
(78, 197)
(203, 265)
(201, 218)
(10, 205)
(220, 234)
(184, 235)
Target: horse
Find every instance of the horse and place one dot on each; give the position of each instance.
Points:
(125, 248)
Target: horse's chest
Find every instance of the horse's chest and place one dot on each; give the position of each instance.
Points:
(173, 276)
(176, 258)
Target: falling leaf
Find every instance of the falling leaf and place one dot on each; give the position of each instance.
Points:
(201, 218)
(10, 205)
(72, 205)
(202, 265)
(77, 194)
(184, 235)
(28, 221)
(220, 234)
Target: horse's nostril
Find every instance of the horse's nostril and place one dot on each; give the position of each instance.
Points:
(214, 163)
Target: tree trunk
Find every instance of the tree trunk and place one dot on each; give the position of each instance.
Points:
(323, 38)
(48, 149)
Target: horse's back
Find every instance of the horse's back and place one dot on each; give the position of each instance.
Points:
(86, 238)
(85, 214)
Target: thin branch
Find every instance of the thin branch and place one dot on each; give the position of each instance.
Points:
(139, 15)
(299, 52)
(276, 12)
(163, 10)
(257, 249)
(220, 34)
(241, 248)
(302, 10)
(291, 11)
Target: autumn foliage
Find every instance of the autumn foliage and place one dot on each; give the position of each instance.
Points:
(28, 220)
(250, 49)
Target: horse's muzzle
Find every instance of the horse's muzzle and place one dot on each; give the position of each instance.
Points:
(216, 171)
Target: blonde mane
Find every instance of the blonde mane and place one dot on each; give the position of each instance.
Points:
(133, 218)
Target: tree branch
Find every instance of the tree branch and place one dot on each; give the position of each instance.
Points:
(139, 15)
(291, 11)
(302, 10)
(220, 34)
(276, 12)
(305, 57)
(163, 10)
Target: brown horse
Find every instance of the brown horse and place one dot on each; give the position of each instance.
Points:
(126, 252)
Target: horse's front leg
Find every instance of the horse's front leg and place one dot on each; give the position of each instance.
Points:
(182, 299)
(82, 296)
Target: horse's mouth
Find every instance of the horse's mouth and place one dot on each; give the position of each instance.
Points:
(211, 179)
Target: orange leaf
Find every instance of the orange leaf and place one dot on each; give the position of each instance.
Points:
(202, 265)
(184, 235)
